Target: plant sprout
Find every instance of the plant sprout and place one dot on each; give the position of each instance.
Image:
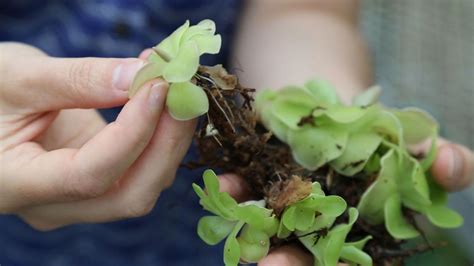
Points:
(258, 223)
(176, 60)
(249, 226)
(321, 131)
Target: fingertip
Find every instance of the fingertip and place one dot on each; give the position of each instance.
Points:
(287, 256)
(235, 186)
(145, 53)
(453, 167)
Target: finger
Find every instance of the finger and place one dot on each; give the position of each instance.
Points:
(88, 172)
(453, 167)
(235, 186)
(136, 193)
(145, 53)
(289, 255)
(41, 83)
(71, 129)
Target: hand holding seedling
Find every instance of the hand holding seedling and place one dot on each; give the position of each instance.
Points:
(60, 163)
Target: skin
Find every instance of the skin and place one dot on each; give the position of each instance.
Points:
(61, 164)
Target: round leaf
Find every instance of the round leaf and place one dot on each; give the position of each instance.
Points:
(314, 147)
(359, 148)
(395, 223)
(186, 101)
(213, 229)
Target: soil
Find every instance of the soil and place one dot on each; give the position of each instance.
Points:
(231, 139)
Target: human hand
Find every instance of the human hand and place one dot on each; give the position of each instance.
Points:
(60, 165)
(453, 169)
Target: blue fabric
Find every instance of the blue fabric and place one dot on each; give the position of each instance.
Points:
(120, 28)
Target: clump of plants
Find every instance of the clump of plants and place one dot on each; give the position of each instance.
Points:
(338, 179)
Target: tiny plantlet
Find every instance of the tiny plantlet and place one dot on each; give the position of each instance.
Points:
(176, 60)
(322, 173)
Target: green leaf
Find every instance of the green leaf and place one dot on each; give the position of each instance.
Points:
(253, 252)
(367, 97)
(412, 183)
(438, 213)
(271, 225)
(170, 46)
(360, 243)
(387, 124)
(278, 128)
(289, 218)
(371, 205)
(332, 206)
(444, 217)
(183, 67)
(417, 124)
(254, 244)
(305, 219)
(431, 155)
(359, 148)
(395, 222)
(231, 252)
(322, 91)
(213, 229)
(208, 44)
(219, 203)
(354, 255)
(232, 247)
(145, 74)
(186, 101)
(253, 215)
(290, 113)
(314, 147)
(335, 239)
(345, 114)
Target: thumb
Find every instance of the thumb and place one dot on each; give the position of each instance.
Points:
(453, 167)
(45, 83)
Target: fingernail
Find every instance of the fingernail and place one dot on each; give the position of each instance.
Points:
(456, 164)
(157, 95)
(124, 73)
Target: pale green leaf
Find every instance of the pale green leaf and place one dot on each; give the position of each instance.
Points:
(290, 113)
(314, 147)
(372, 201)
(323, 91)
(186, 101)
(395, 222)
(183, 67)
(417, 124)
(353, 255)
(367, 97)
(213, 229)
(359, 148)
(145, 74)
(444, 217)
(171, 45)
(231, 252)
(360, 243)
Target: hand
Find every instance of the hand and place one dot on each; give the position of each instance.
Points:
(61, 165)
(453, 169)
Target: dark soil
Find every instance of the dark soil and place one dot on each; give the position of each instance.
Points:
(231, 139)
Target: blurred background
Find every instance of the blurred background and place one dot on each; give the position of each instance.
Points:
(423, 52)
